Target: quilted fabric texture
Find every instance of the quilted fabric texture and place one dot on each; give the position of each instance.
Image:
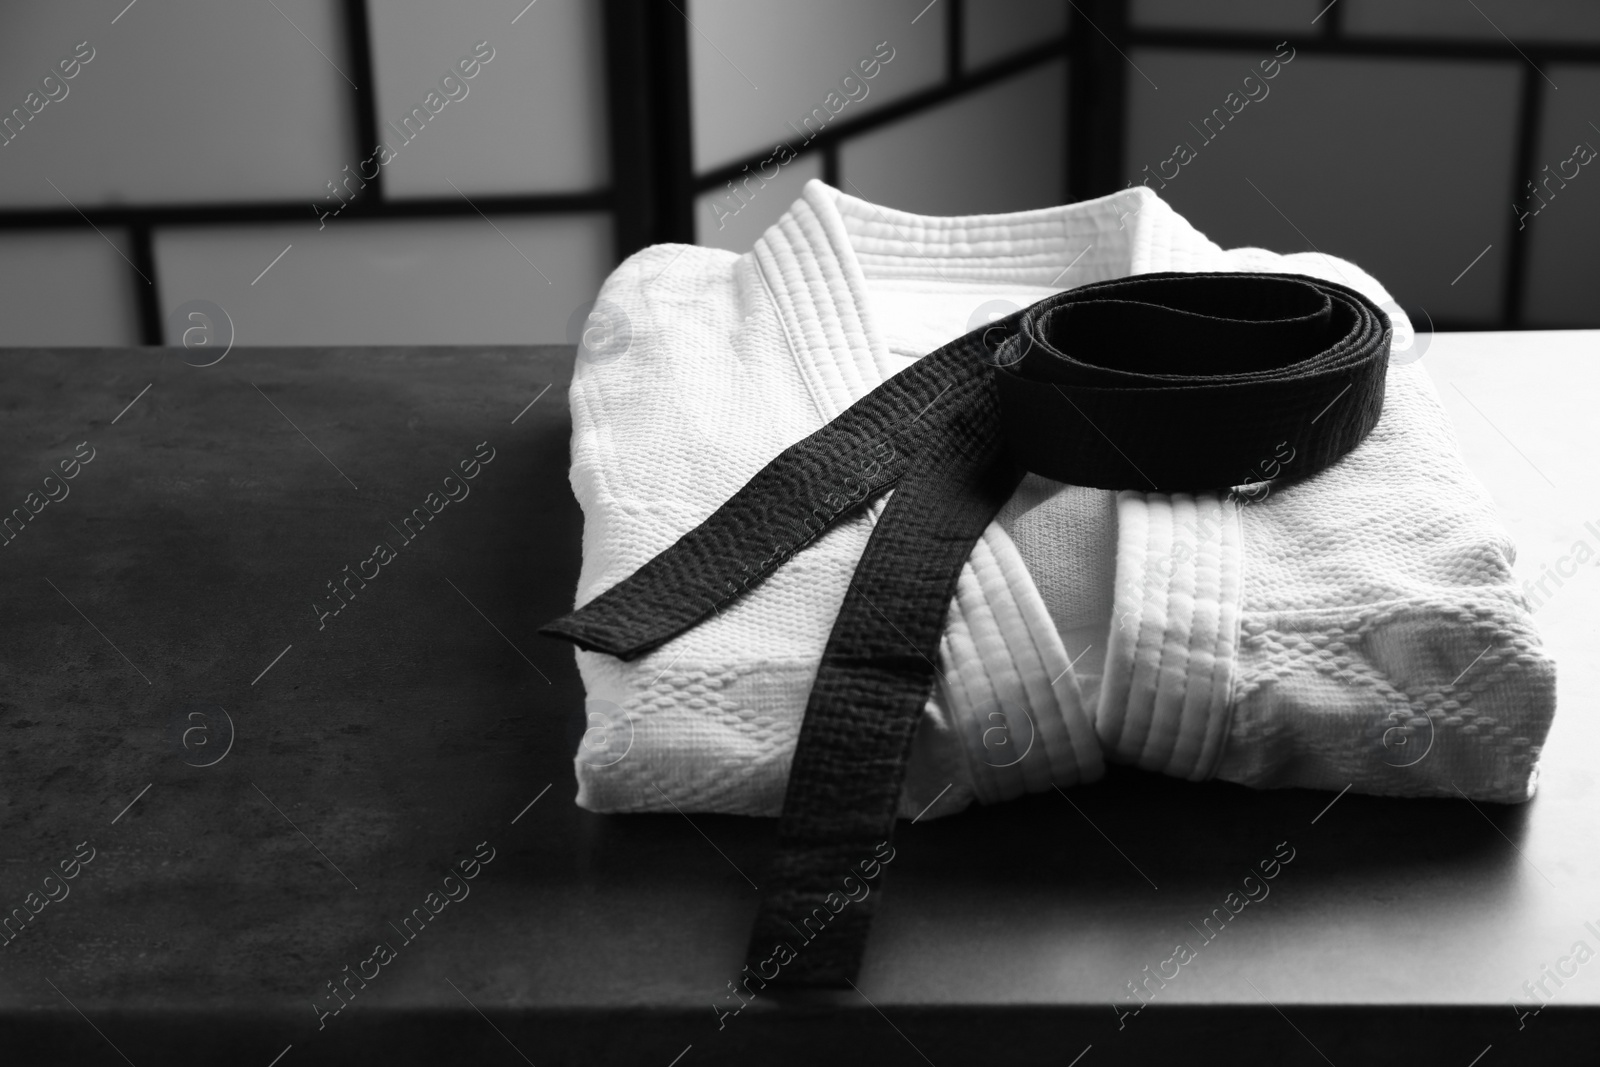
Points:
(1357, 628)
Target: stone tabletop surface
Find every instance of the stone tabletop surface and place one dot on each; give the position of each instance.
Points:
(253, 783)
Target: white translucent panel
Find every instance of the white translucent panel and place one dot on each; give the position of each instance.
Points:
(413, 282)
(67, 287)
(733, 220)
(994, 29)
(1563, 256)
(532, 119)
(182, 101)
(928, 163)
(1327, 157)
(760, 68)
(1520, 20)
(1239, 15)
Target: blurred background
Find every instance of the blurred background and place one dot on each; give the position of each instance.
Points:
(163, 152)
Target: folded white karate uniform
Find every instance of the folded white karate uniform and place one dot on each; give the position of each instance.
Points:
(1358, 628)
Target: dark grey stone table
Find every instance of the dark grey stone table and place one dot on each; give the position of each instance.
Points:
(268, 791)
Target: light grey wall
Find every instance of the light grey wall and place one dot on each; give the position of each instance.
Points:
(975, 155)
(734, 220)
(66, 289)
(1564, 236)
(412, 281)
(184, 101)
(1246, 15)
(758, 66)
(1406, 166)
(1526, 20)
(1402, 166)
(190, 101)
(533, 122)
(994, 29)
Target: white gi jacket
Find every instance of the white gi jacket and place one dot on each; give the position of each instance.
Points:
(1359, 628)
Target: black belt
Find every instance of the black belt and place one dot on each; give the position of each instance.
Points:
(1160, 382)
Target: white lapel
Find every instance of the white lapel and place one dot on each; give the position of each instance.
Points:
(1002, 649)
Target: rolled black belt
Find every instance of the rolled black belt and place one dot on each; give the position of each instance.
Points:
(1159, 382)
